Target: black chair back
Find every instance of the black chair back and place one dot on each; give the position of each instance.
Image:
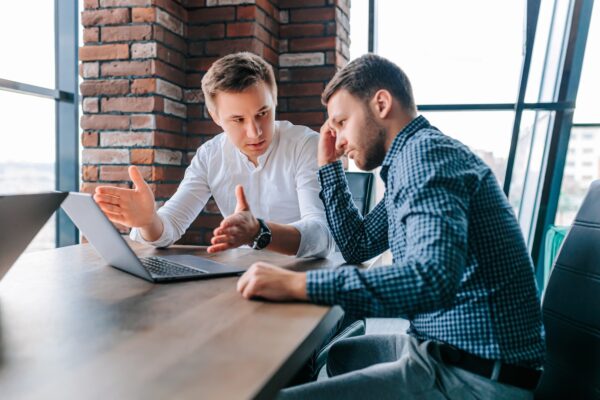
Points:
(571, 310)
(361, 188)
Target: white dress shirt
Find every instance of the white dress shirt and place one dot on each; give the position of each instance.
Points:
(282, 188)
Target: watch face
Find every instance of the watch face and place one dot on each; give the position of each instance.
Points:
(263, 240)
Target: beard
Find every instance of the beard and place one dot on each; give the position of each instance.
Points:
(374, 145)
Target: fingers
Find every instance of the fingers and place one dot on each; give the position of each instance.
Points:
(112, 191)
(136, 177)
(242, 203)
(104, 198)
(219, 247)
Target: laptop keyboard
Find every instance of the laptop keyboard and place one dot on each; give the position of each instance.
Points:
(161, 267)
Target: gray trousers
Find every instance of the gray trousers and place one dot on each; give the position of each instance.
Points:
(396, 367)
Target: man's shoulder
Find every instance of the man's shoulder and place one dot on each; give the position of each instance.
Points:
(295, 133)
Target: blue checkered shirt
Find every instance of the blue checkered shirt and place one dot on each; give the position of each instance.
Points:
(461, 271)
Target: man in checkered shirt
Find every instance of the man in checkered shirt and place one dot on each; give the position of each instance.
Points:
(461, 272)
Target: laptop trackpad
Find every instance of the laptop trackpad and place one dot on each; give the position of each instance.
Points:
(202, 263)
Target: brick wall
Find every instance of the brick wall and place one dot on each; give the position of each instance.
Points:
(142, 63)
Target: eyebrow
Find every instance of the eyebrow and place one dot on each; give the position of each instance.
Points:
(263, 108)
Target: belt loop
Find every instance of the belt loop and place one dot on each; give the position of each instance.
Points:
(496, 370)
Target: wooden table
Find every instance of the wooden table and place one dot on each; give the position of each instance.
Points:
(72, 327)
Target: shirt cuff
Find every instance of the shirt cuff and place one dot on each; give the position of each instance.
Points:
(315, 239)
(320, 286)
(331, 174)
(163, 241)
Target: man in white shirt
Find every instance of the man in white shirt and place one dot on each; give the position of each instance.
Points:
(262, 174)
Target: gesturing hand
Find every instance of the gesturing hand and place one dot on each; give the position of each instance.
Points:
(327, 152)
(133, 208)
(238, 229)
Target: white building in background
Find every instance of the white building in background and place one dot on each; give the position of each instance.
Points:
(583, 159)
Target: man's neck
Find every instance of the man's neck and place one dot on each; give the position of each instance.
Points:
(397, 123)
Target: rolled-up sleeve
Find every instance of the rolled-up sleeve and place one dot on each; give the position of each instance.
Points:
(315, 238)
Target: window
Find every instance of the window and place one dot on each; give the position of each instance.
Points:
(35, 105)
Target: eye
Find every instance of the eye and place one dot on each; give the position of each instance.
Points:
(262, 113)
(238, 120)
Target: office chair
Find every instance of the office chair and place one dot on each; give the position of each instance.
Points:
(571, 310)
(361, 188)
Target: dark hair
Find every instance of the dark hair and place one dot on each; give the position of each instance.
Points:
(235, 73)
(364, 76)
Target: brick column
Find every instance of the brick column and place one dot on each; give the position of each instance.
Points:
(142, 63)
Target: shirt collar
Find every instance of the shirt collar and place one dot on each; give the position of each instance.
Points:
(413, 126)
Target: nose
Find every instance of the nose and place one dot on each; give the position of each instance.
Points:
(254, 130)
(340, 142)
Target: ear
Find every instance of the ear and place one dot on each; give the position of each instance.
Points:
(381, 103)
(214, 115)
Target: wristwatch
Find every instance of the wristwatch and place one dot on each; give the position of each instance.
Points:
(263, 238)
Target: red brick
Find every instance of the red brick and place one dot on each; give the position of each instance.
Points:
(114, 16)
(312, 103)
(125, 3)
(200, 63)
(143, 14)
(175, 141)
(121, 173)
(104, 52)
(89, 172)
(167, 174)
(168, 72)
(91, 35)
(165, 190)
(126, 33)
(238, 29)
(104, 87)
(212, 14)
(102, 122)
(141, 156)
(126, 138)
(89, 4)
(170, 124)
(170, 39)
(147, 121)
(312, 44)
(300, 3)
(304, 118)
(143, 86)
(126, 68)
(89, 139)
(224, 47)
(170, 56)
(212, 31)
(312, 14)
(168, 21)
(203, 128)
(306, 74)
(90, 105)
(300, 89)
(173, 7)
(105, 156)
(301, 30)
(247, 12)
(207, 221)
(132, 104)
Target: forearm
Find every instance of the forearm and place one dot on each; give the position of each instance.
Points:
(285, 239)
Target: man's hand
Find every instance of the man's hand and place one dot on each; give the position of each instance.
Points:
(327, 151)
(133, 208)
(272, 283)
(238, 229)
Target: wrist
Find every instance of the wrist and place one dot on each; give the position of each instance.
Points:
(298, 286)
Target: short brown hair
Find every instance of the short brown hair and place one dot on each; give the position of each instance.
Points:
(364, 76)
(235, 73)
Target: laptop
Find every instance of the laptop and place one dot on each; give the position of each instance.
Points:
(21, 217)
(107, 241)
